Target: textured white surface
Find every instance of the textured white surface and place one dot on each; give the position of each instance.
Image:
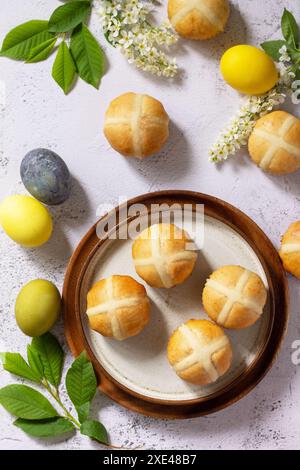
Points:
(199, 103)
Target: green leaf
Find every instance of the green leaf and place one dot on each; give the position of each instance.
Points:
(51, 355)
(88, 56)
(34, 361)
(272, 48)
(66, 17)
(81, 384)
(46, 427)
(289, 28)
(64, 69)
(42, 51)
(83, 411)
(21, 40)
(297, 74)
(25, 402)
(14, 363)
(94, 430)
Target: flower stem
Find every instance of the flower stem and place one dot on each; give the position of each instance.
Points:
(55, 395)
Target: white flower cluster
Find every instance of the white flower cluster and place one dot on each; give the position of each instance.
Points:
(239, 130)
(284, 66)
(126, 25)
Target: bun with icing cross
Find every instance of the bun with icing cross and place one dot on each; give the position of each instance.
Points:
(199, 352)
(118, 307)
(290, 249)
(136, 125)
(234, 297)
(274, 144)
(198, 19)
(163, 255)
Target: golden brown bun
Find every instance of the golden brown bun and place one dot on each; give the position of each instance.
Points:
(118, 307)
(199, 351)
(234, 297)
(290, 249)
(136, 125)
(198, 19)
(161, 256)
(274, 144)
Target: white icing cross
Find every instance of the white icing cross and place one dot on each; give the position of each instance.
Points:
(290, 247)
(135, 121)
(276, 142)
(111, 306)
(203, 8)
(233, 296)
(202, 352)
(161, 262)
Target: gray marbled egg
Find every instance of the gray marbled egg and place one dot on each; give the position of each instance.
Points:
(46, 176)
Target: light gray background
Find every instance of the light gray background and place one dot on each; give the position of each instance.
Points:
(37, 114)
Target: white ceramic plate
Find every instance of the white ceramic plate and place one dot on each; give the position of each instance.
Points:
(140, 364)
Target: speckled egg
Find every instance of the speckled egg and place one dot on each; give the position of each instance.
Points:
(46, 176)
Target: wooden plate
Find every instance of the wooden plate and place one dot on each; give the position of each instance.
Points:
(135, 372)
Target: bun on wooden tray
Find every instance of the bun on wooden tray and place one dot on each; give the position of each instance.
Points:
(199, 352)
(234, 297)
(118, 307)
(161, 255)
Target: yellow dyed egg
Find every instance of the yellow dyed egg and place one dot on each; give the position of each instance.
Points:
(25, 220)
(37, 307)
(249, 70)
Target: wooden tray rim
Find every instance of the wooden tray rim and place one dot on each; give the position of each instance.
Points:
(198, 406)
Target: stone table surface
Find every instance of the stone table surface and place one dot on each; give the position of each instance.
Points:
(35, 113)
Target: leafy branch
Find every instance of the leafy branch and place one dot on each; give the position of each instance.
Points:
(78, 53)
(290, 43)
(35, 414)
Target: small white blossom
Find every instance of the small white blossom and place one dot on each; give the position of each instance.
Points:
(284, 57)
(126, 39)
(127, 27)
